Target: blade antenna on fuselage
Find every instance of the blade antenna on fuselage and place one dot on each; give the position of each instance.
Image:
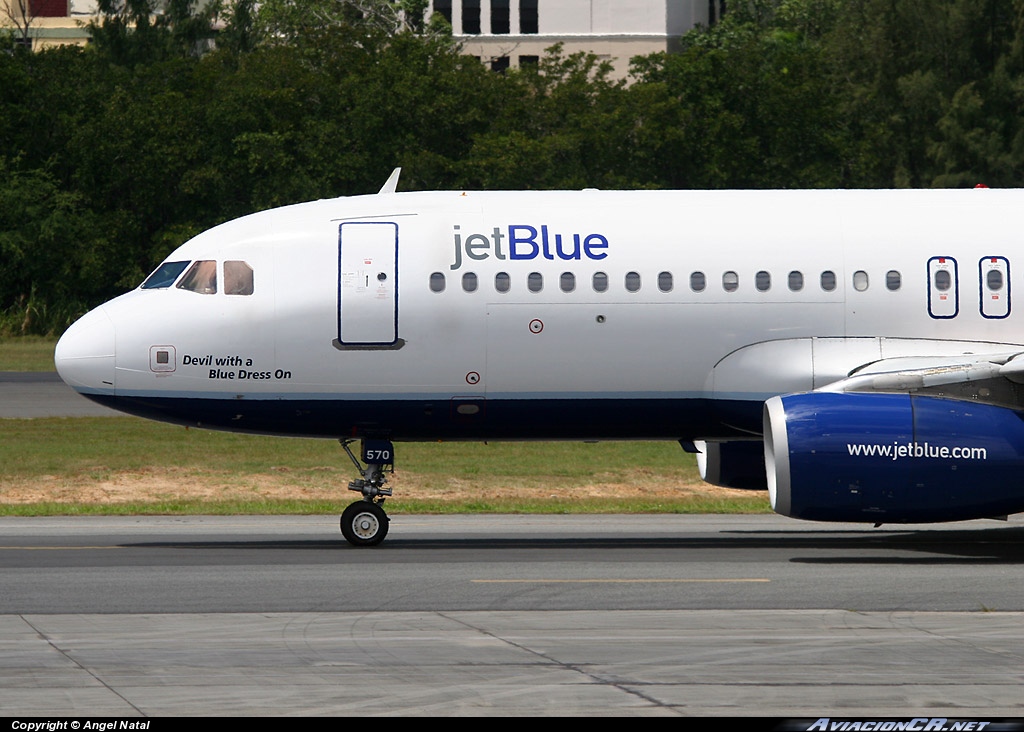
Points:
(391, 185)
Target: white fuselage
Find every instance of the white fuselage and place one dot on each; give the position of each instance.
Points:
(576, 315)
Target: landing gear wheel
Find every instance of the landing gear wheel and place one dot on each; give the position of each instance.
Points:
(364, 523)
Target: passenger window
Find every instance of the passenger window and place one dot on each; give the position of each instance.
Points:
(238, 278)
(201, 277)
(164, 276)
(469, 282)
(698, 281)
(828, 280)
(665, 281)
(763, 281)
(730, 281)
(632, 281)
(567, 282)
(437, 282)
(600, 282)
(943, 280)
(893, 280)
(796, 281)
(860, 280)
(535, 282)
(502, 282)
(995, 280)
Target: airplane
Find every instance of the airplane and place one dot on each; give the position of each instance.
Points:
(856, 353)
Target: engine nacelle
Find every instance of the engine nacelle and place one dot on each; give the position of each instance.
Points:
(893, 458)
(733, 464)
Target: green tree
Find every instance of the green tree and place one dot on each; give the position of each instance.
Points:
(899, 64)
(753, 106)
(562, 124)
(132, 32)
(54, 261)
(980, 135)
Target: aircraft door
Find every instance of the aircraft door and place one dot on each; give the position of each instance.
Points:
(368, 283)
(943, 288)
(994, 276)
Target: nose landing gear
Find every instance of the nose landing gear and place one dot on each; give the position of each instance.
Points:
(364, 522)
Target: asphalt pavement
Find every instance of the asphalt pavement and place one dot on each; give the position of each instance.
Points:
(679, 616)
(26, 394)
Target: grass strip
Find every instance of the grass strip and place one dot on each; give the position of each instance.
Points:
(27, 353)
(124, 466)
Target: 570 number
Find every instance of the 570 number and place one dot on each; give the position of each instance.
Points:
(378, 452)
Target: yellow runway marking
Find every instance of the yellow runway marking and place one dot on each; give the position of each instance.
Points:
(609, 581)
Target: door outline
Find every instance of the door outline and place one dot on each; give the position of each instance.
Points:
(368, 280)
(988, 310)
(943, 304)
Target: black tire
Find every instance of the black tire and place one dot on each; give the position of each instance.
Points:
(364, 524)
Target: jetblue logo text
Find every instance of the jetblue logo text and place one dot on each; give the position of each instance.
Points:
(521, 241)
(898, 450)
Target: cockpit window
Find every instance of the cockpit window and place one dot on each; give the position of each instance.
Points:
(164, 275)
(201, 277)
(237, 278)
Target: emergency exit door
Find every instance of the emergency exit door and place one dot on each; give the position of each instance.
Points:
(368, 283)
(994, 282)
(943, 288)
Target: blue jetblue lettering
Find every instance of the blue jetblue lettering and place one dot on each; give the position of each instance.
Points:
(529, 242)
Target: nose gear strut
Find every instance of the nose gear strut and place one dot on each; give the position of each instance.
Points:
(364, 522)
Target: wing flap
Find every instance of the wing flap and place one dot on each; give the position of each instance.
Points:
(988, 379)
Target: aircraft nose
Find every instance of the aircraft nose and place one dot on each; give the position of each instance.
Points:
(85, 354)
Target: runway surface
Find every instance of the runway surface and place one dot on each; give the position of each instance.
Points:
(502, 615)
(26, 394)
(510, 615)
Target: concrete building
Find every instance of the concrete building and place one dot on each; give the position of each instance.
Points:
(504, 33)
(48, 22)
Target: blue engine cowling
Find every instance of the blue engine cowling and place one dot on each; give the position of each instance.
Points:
(893, 458)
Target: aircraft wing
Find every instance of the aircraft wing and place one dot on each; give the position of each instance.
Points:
(996, 379)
